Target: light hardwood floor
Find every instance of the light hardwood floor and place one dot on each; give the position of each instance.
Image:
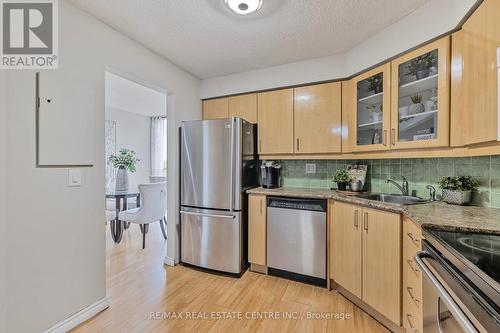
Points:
(138, 283)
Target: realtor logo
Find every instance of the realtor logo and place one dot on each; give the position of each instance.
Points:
(29, 34)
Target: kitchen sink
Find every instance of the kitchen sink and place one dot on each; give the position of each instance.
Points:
(393, 198)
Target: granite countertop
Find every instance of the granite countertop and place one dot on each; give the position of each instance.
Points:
(433, 215)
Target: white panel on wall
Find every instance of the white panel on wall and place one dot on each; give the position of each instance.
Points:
(65, 119)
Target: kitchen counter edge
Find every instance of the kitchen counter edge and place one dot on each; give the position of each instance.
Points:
(438, 215)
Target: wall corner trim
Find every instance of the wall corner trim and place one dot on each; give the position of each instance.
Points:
(169, 261)
(79, 317)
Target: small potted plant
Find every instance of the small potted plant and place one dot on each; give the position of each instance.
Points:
(417, 106)
(458, 190)
(124, 161)
(420, 66)
(341, 177)
(375, 83)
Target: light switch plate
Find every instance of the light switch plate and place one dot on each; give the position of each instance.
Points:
(310, 168)
(74, 177)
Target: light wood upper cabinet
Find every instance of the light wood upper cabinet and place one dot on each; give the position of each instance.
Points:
(216, 108)
(420, 95)
(348, 121)
(244, 106)
(275, 129)
(257, 229)
(382, 262)
(474, 77)
(317, 118)
(366, 111)
(345, 238)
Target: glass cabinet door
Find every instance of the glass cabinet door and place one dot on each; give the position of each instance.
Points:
(420, 98)
(372, 109)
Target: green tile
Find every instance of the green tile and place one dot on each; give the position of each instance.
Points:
(463, 169)
(481, 197)
(395, 171)
(420, 173)
(462, 160)
(495, 159)
(445, 161)
(481, 160)
(495, 199)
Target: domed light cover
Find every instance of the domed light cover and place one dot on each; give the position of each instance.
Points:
(244, 7)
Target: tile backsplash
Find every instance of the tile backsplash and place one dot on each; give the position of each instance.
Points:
(419, 172)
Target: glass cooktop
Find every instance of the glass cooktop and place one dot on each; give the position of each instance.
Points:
(482, 250)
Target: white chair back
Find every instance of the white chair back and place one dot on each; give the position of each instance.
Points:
(154, 202)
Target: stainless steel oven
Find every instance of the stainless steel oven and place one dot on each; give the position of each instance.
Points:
(456, 298)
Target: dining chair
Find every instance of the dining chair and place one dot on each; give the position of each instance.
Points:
(153, 209)
(110, 215)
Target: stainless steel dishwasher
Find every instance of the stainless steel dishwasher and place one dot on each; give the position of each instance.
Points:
(296, 239)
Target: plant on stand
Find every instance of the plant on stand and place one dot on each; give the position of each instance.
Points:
(420, 66)
(125, 162)
(341, 177)
(458, 190)
(417, 106)
(375, 83)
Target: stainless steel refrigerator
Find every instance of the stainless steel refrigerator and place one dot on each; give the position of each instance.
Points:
(218, 163)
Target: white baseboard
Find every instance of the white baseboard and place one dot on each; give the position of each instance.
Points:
(169, 261)
(79, 317)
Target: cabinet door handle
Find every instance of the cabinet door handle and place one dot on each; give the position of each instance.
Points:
(393, 137)
(365, 221)
(260, 146)
(298, 144)
(356, 216)
(416, 241)
(412, 327)
(409, 290)
(384, 138)
(413, 268)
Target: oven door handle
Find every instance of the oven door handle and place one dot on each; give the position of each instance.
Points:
(453, 307)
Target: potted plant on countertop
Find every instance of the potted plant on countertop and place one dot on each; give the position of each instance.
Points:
(341, 177)
(375, 83)
(458, 190)
(125, 162)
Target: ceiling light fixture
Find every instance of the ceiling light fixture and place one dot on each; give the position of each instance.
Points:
(244, 7)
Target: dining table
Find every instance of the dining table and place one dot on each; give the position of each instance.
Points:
(121, 204)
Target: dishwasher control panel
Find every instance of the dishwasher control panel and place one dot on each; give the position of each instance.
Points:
(316, 205)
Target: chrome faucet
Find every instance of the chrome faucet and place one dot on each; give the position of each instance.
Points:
(404, 188)
(432, 192)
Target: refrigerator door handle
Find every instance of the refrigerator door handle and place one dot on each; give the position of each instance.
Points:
(207, 215)
(231, 182)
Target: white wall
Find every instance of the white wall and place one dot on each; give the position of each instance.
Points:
(133, 131)
(56, 235)
(431, 20)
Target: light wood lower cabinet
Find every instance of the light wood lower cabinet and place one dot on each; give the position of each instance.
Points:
(412, 278)
(257, 229)
(381, 276)
(366, 256)
(216, 108)
(345, 237)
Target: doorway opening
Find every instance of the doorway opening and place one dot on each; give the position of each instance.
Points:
(135, 165)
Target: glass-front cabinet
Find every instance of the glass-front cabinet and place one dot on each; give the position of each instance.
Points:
(372, 109)
(420, 97)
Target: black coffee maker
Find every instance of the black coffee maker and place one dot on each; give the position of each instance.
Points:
(270, 174)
